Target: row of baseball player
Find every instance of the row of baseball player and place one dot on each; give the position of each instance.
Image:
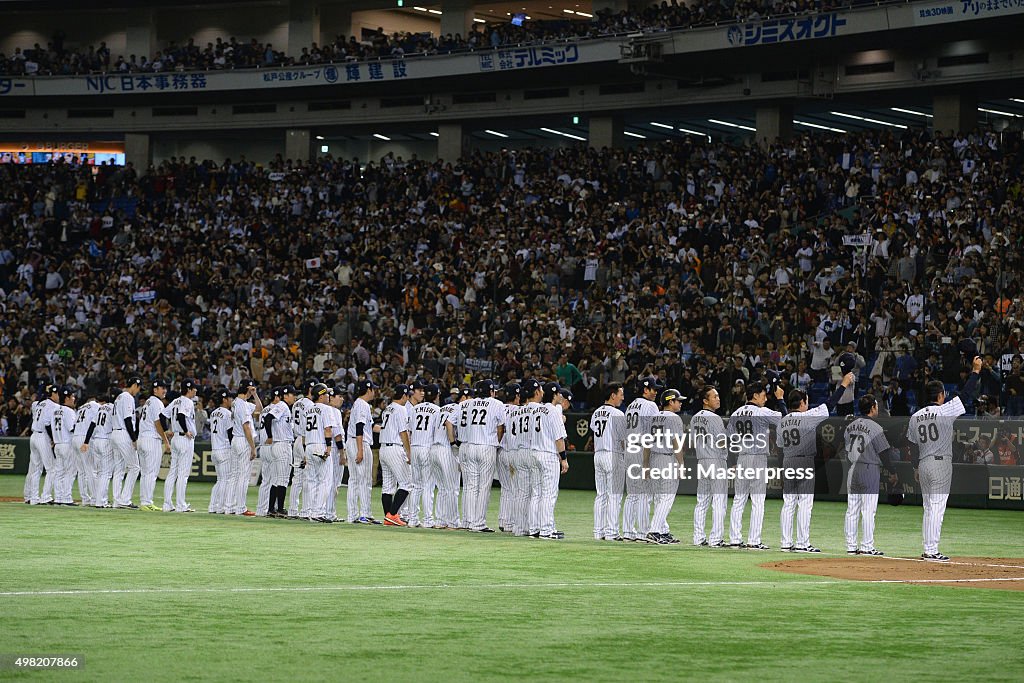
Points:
(426, 452)
(643, 515)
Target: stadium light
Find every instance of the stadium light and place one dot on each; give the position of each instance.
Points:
(420, 9)
(661, 125)
(435, 11)
(324, 149)
(382, 137)
(912, 112)
(866, 119)
(495, 133)
(732, 125)
(585, 14)
(480, 21)
(568, 11)
(634, 135)
(815, 125)
(565, 135)
(436, 135)
(1001, 113)
(319, 137)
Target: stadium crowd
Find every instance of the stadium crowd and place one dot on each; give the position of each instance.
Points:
(697, 262)
(58, 58)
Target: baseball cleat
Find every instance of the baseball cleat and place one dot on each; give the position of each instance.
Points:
(670, 539)
(150, 508)
(787, 549)
(853, 552)
(652, 538)
(759, 546)
(700, 543)
(737, 545)
(808, 549)
(535, 535)
(248, 513)
(872, 552)
(934, 557)
(717, 544)
(618, 539)
(486, 530)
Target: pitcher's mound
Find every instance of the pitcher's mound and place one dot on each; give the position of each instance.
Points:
(959, 572)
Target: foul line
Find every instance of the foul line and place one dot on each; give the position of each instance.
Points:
(485, 586)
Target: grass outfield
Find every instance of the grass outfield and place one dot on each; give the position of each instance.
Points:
(214, 598)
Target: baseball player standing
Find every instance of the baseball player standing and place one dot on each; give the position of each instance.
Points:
(243, 414)
(395, 450)
(153, 439)
(516, 451)
(181, 415)
(750, 425)
(318, 436)
(667, 428)
(866, 447)
(796, 437)
(931, 430)
(416, 483)
(547, 446)
(85, 463)
(503, 468)
(299, 409)
(41, 449)
(711, 446)
(335, 468)
(481, 425)
(608, 425)
(636, 515)
(527, 481)
(221, 434)
(64, 457)
(446, 464)
(277, 421)
(425, 417)
(102, 452)
(358, 443)
(125, 438)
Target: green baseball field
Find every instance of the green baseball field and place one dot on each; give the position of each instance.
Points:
(143, 596)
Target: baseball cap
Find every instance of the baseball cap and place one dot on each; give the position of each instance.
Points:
(157, 383)
(319, 389)
(308, 385)
(454, 390)
(246, 383)
(363, 386)
(431, 389)
(52, 389)
(651, 383)
(288, 389)
(465, 391)
(222, 394)
(134, 379)
(566, 394)
(484, 387)
(188, 385)
(66, 391)
(401, 390)
(847, 363)
(529, 387)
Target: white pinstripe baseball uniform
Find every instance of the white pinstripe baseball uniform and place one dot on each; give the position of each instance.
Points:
(636, 515)
(85, 465)
(360, 474)
(126, 453)
(241, 455)
(547, 429)
(298, 472)
(517, 443)
(221, 424)
(319, 477)
(275, 458)
(41, 457)
(479, 420)
(608, 425)
(797, 439)
(425, 416)
(710, 443)
(445, 469)
(182, 453)
(503, 473)
(151, 449)
(753, 422)
(103, 455)
(334, 472)
(931, 429)
(865, 441)
(62, 426)
(665, 452)
(395, 470)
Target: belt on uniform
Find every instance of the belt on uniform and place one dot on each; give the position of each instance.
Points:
(938, 457)
(391, 444)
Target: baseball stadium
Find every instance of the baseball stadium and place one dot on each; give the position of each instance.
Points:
(607, 340)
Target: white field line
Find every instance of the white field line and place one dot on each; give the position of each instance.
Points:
(480, 586)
